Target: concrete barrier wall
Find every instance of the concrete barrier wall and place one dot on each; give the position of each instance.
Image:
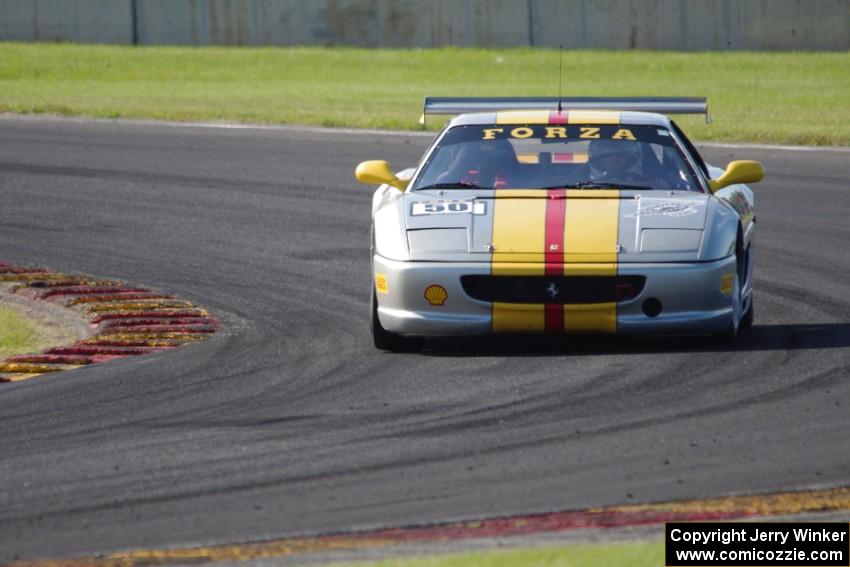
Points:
(85, 21)
(605, 24)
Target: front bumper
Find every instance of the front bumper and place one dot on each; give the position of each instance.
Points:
(691, 295)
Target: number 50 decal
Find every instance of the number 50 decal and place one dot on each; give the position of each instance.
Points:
(448, 208)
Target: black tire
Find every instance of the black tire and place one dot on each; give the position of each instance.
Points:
(728, 336)
(731, 333)
(747, 320)
(385, 340)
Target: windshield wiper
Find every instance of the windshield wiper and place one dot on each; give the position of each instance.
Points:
(600, 185)
(455, 185)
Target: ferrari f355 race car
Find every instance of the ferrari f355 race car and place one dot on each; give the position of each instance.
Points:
(539, 215)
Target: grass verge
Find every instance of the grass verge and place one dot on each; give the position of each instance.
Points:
(17, 335)
(633, 554)
(769, 97)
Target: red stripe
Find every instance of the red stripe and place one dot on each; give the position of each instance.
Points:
(556, 209)
(554, 317)
(556, 117)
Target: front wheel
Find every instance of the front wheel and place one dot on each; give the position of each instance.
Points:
(385, 340)
(747, 321)
(739, 321)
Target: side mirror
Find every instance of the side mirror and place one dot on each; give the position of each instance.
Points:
(742, 171)
(376, 172)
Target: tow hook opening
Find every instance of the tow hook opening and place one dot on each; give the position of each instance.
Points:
(652, 307)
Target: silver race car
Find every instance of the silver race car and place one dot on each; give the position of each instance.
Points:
(541, 215)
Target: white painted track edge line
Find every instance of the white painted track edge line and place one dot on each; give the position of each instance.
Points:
(743, 145)
(348, 131)
(214, 125)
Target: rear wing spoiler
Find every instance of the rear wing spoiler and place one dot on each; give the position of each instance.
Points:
(450, 106)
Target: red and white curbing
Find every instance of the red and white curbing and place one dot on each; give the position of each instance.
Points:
(127, 320)
(739, 507)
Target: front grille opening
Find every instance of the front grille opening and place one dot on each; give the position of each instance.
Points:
(553, 289)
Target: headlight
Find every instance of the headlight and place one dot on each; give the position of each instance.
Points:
(436, 241)
(670, 240)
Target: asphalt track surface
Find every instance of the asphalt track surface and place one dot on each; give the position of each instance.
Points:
(289, 422)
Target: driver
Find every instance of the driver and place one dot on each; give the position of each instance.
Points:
(611, 160)
(485, 163)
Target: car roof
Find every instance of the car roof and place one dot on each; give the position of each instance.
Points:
(565, 117)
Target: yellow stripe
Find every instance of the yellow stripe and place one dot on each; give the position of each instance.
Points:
(518, 317)
(591, 318)
(585, 269)
(521, 194)
(523, 117)
(510, 268)
(591, 232)
(593, 117)
(519, 229)
(593, 193)
(519, 234)
(591, 236)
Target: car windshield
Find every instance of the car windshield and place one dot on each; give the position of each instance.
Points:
(535, 156)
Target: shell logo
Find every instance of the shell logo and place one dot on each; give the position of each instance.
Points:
(436, 294)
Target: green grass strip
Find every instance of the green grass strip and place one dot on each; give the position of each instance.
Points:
(17, 334)
(633, 554)
(769, 97)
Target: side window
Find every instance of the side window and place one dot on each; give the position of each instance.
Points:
(691, 149)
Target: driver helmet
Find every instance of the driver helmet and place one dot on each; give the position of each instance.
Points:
(498, 153)
(614, 158)
(498, 160)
